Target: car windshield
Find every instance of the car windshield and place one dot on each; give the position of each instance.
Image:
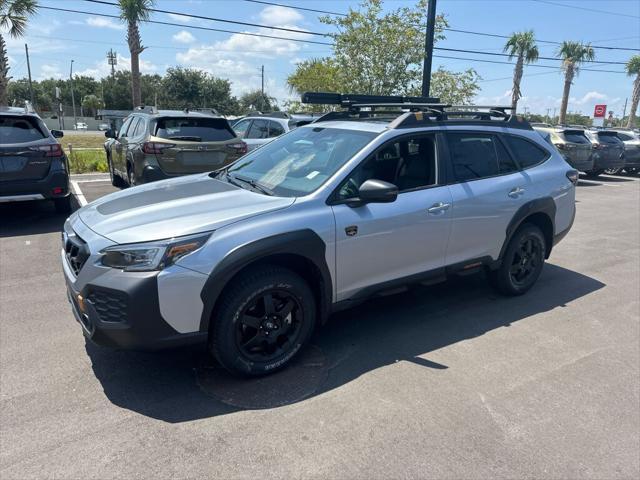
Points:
(19, 130)
(298, 162)
(194, 129)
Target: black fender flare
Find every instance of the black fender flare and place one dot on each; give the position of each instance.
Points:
(303, 243)
(545, 205)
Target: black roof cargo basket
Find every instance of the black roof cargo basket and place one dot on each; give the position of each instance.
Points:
(411, 112)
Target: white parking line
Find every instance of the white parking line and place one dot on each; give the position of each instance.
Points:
(78, 193)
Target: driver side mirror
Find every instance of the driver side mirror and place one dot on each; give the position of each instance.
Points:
(110, 133)
(377, 191)
(57, 133)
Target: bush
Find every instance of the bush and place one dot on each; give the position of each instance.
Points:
(83, 161)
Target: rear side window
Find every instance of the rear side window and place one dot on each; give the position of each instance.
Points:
(625, 137)
(275, 129)
(193, 129)
(527, 153)
(476, 155)
(241, 128)
(19, 130)
(140, 127)
(259, 129)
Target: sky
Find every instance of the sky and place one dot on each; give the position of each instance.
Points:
(55, 38)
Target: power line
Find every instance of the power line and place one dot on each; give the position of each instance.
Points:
(214, 19)
(477, 52)
(448, 29)
(534, 65)
(586, 9)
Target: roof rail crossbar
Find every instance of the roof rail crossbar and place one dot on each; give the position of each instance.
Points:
(348, 99)
(146, 109)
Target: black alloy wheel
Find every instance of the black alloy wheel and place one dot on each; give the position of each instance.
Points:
(269, 325)
(526, 260)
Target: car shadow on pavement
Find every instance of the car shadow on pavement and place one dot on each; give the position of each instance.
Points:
(31, 218)
(185, 384)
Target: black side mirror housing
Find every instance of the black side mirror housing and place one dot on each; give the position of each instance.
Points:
(57, 133)
(110, 133)
(377, 191)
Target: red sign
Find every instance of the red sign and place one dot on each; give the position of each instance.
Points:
(600, 111)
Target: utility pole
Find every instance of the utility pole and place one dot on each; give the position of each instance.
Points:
(548, 109)
(624, 111)
(112, 59)
(262, 89)
(428, 48)
(73, 100)
(26, 49)
(554, 114)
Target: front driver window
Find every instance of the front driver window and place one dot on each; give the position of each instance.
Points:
(409, 163)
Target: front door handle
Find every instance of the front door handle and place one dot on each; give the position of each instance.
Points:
(438, 208)
(516, 192)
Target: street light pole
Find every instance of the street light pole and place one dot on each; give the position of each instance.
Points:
(428, 48)
(73, 100)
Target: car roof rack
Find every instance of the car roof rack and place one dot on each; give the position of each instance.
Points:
(268, 114)
(210, 110)
(146, 109)
(411, 112)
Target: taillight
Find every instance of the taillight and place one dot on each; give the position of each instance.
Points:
(156, 147)
(560, 146)
(573, 176)
(596, 146)
(240, 147)
(52, 150)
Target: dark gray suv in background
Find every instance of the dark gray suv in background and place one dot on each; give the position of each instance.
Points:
(33, 165)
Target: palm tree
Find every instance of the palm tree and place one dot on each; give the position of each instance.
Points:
(633, 68)
(133, 12)
(13, 19)
(573, 54)
(523, 46)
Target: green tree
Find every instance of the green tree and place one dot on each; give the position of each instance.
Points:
(186, 87)
(14, 15)
(132, 12)
(255, 100)
(573, 55)
(633, 68)
(522, 46)
(90, 104)
(381, 54)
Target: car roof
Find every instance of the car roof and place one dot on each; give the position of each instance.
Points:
(18, 111)
(375, 127)
(152, 112)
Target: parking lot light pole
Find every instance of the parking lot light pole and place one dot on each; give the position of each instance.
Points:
(73, 100)
(428, 48)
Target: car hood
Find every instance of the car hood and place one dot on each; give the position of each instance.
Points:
(172, 208)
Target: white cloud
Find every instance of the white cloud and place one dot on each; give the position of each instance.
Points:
(277, 16)
(100, 22)
(589, 97)
(49, 71)
(180, 18)
(101, 69)
(184, 37)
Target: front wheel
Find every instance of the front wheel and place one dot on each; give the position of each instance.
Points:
(522, 262)
(267, 315)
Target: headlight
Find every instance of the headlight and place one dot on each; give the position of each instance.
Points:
(144, 257)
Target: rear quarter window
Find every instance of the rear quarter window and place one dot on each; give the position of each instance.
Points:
(527, 153)
(609, 138)
(194, 129)
(576, 137)
(19, 130)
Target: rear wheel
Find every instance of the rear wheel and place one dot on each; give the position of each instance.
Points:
(267, 315)
(63, 205)
(131, 175)
(612, 171)
(522, 262)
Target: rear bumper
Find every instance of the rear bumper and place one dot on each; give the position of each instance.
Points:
(602, 162)
(36, 189)
(153, 174)
(580, 165)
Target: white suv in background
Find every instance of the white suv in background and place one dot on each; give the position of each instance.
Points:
(260, 128)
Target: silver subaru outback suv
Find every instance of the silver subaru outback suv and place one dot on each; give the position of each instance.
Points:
(251, 258)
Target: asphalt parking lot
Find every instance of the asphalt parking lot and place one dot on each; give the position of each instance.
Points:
(447, 381)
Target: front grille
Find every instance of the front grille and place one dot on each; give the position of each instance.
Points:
(110, 305)
(76, 251)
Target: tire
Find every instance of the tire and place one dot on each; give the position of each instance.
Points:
(245, 339)
(594, 173)
(115, 181)
(522, 262)
(612, 171)
(63, 205)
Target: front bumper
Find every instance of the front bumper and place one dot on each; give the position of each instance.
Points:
(37, 189)
(123, 312)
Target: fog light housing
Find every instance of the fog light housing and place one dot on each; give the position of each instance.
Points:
(81, 306)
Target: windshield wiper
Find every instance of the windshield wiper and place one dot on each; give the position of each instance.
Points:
(186, 138)
(255, 185)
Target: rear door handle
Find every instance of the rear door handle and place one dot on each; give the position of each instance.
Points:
(439, 207)
(516, 192)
